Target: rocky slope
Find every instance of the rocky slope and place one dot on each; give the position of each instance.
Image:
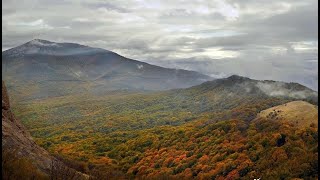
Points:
(16, 139)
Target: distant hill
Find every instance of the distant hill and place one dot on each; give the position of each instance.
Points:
(234, 91)
(243, 86)
(46, 69)
(298, 113)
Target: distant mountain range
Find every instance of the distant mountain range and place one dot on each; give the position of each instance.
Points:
(41, 69)
(52, 69)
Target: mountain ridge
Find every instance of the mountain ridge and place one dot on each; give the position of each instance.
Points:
(53, 69)
(268, 87)
(42, 42)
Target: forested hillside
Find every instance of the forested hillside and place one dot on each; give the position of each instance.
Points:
(210, 131)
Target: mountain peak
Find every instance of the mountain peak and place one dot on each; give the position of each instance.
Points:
(41, 42)
(237, 77)
(45, 47)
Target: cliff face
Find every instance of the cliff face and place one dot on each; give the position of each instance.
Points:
(15, 138)
(18, 142)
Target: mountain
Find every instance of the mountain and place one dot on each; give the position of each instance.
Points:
(46, 69)
(235, 91)
(21, 156)
(237, 86)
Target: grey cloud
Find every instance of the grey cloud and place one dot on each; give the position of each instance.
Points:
(108, 6)
(297, 24)
(278, 89)
(225, 41)
(177, 12)
(182, 34)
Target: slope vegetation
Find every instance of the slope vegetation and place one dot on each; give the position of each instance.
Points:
(202, 132)
(298, 113)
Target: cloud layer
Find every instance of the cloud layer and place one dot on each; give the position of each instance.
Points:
(263, 39)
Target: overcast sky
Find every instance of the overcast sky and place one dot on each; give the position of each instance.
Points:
(261, 39)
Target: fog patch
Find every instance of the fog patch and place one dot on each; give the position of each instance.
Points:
(279, 89)
(37, 42)
(218, 75)
(139, 66)
(248, 89)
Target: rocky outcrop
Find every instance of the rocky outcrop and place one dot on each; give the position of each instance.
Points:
(15, 138)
